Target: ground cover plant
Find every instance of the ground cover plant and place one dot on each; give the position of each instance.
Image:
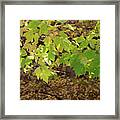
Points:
(59, 59)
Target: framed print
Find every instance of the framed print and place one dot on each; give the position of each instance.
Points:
(60, 59)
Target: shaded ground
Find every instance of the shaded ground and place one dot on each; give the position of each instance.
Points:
(60, 89)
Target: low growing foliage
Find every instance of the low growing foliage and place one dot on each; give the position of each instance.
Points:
(47, 44)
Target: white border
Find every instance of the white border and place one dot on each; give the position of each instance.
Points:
(13, 104)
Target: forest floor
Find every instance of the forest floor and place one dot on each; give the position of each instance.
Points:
(59, 89)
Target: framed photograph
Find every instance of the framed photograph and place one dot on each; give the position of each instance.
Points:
(60, 59)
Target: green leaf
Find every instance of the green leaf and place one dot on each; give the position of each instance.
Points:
(90, 54)
(77, 66)
(65, 58)
(29, 36)
(36, 37)
(33, 24)
(25, 61)
(79, 39)
(63, 35)
(28, 61)
(94, 70)
(32, 47)
(31, 57)
(84, 44)
(62, 42)
(73, 48)
(43, 72)
(57, 41)
(69, 26)
(51, 28)
(23, 53)
(46, 73)
(22, 62)
(73, 58)
(27, 45)
(51, 56)
(95, 66)
(38, 72)
(61, 21)
(93, 43)
(90, 36)
(47, 41)
(43, 28)
(79, 69)
(83, 59)
(65, 44)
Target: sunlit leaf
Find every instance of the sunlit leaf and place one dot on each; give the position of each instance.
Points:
(47, 40)
(23, 53)
(79, 39)
(29, 36)
(36, 36)
(51, 56)
(43, 72)
(43, 28)
(83, 45)
(33, 24)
